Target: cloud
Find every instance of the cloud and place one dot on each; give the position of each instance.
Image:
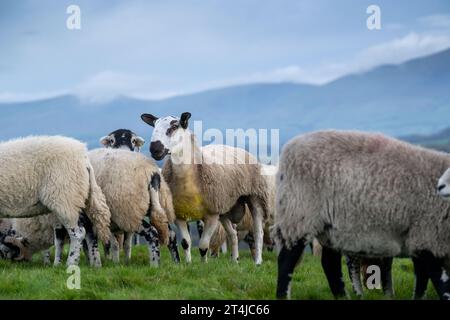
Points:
(411, 46)
(12, 97)
(104, 86)
(436, 21)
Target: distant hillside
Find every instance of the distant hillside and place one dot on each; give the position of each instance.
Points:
(439, 141)
(399, 100)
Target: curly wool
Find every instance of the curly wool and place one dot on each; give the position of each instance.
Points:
(124, 177)
(362, 193)
(45, 174)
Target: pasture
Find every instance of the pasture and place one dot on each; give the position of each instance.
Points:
(218, 279)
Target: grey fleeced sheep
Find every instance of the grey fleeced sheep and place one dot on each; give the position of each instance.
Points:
(363, 194)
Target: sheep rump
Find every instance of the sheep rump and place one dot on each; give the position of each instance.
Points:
(362, 193)
(45, 174)
(124, 178)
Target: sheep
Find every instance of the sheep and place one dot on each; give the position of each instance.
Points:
(362, 194)
(134, 190)
(123, 139)
(245, 227)
(245, 233)
(128, 140)
(44, 174)
(205, 187)
(34, 234)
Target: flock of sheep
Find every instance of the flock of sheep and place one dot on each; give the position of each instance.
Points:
(365, 196)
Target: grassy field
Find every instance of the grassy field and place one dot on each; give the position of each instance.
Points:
(218, 279)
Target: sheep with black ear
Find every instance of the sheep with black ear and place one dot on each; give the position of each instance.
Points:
(362, 194)
(211, 183)
(134, 191)
(44, 174)
(128, 140)
(123, 139)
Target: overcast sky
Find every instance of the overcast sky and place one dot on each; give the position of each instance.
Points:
(155, 49)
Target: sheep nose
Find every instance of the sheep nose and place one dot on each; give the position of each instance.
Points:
(156, 147)
(440, 187)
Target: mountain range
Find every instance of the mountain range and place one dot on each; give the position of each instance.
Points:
(412, 98)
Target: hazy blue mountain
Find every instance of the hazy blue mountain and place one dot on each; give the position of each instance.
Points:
(411, 98)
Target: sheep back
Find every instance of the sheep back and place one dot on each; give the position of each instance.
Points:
(362, 193)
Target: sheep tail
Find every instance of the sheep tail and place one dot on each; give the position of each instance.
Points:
(158, 216)
(97, 210)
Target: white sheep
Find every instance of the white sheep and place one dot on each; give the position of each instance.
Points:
(46, 174)
(362, 194)
(245, 227)
(208, 183)
(134, 189)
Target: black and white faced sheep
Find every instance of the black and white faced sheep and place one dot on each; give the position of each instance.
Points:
(208, 183)
(44, 174)
(134, 191)
(362, 194)
(128, 140)
(123, 139)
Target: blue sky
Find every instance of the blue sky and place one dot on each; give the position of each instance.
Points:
(155, 49)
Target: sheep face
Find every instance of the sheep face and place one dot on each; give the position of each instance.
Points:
(170, 134)
(444, 185)
(123, 139)
(12, 248)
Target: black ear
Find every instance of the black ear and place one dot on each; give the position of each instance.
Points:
(184, 119)
(149, 119)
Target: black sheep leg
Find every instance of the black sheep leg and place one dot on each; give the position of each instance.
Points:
(287, 261)
(332, 266)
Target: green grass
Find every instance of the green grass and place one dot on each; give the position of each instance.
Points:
(218, 279)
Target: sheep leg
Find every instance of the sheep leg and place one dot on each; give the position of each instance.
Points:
(135, 241)
(258, 231)
(46, 257)
(354, 272)
(331, 264)
(287, 261)
(200, 227)
(386, 277)
(59, 235)
(91, 242)
(172, 245)
(115, 249)
(151, 235)
(437, 274)
(107, 250)
(211, 221)
(76, 235)
(232, 237)
(127, 244)
(185, 238)
(224, 247)
(251, 243)
(421, 277)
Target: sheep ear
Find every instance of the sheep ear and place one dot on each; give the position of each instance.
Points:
(149, 119)
(139, 141)
(184, 119)
(104, 141)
